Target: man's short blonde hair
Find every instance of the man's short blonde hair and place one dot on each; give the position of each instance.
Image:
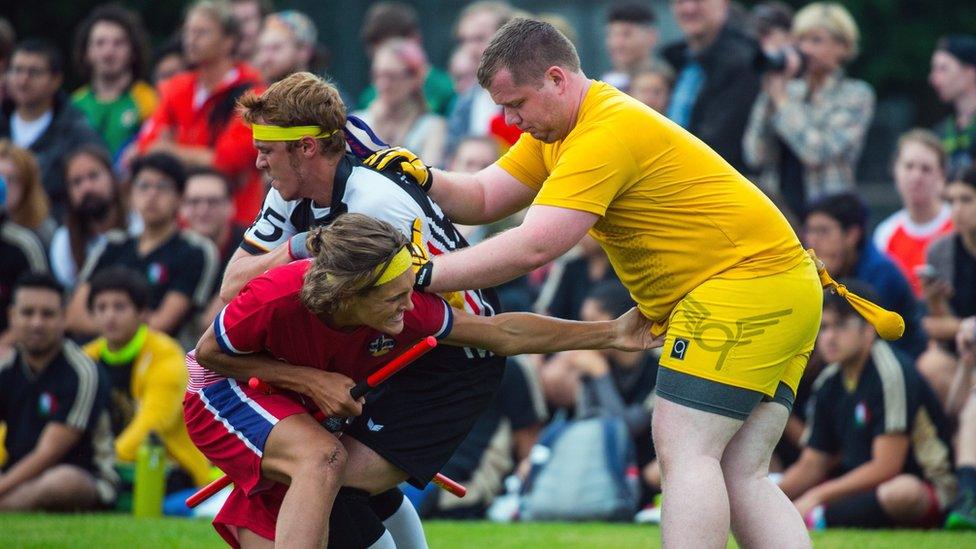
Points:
(832, 17)
(300, 99)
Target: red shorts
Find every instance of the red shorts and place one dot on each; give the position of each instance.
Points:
(230, 423)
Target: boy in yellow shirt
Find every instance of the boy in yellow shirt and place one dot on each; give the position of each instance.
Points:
(146, 368)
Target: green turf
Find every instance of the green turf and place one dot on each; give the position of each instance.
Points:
(111, 531)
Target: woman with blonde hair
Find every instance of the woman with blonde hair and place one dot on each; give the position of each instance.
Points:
(27, 203)
(399, 114)
(807, 127)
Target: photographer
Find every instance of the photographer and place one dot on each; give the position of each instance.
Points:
(807, 127)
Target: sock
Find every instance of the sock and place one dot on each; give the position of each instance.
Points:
(400, 519)
(385, 542)
(967, 479)
(858, 511)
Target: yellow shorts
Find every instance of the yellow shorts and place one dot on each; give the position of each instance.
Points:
(747, 333)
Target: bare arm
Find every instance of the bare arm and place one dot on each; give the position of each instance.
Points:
(547, 233)
(520, 333)
(888, 454)
(243, 266)
(807, 472)
(55, 441)
(479, 198)
(171, 312)
(79, 321)
(329, 390)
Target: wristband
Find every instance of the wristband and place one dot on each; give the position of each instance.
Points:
(298, 246)
(424, 275)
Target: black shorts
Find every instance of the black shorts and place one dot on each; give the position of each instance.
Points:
(418, 418)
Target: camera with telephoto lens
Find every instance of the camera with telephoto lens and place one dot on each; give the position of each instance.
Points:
(777, 61)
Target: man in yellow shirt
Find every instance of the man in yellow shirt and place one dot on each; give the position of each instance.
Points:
(147, 371)
(703, 252)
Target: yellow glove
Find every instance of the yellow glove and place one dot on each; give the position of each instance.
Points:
(403, 161)
(418, 252)
(889, 324)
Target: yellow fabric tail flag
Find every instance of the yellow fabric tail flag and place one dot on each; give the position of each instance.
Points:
(889, 324)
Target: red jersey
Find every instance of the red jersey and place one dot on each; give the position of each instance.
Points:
(907, 242)
(194, 118)
(268, 315)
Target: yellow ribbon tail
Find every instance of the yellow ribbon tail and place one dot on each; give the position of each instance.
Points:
(889, 324)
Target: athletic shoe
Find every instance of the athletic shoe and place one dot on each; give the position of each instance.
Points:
(648, 515)
(963, 514)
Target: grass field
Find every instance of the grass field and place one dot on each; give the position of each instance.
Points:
(112, 531)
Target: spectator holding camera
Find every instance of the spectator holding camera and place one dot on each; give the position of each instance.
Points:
(808, 125)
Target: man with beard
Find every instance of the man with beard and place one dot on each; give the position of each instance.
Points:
(94, 208)
(53, 401)
(111, 53)
(20, 252)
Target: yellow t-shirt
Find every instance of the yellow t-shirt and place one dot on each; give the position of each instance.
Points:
(673, 213)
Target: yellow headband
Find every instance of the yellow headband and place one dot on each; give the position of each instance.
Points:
(294, 133)
(396, 267)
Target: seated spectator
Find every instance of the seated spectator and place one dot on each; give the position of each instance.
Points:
(953, 75)
(501, 438)
(389, 20)
(835, 227)
(146, 371)
(20, 252)
(608, 382)
(920, 174)
(197, 119)
(463, 69)
(652, 86)
(168, 61)
(286, 45)
(94, 207)
(715, 69)
(399, 113)
(572, 278)
(40, 118)
(208, 211)
(111, 52)
(963, 513)
(181, 266)
(27, 203)
(8, 37)
(54, 402)
(249, 18)
(877, 452)
(949, 285)
(630, 39)
(808, 125)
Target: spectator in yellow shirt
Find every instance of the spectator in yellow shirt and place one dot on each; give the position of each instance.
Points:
(146, 369)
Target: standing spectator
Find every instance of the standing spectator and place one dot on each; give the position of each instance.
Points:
(286, 45)
(146, 372)
(652, 86)
(20, 252)
(53, 400)
(27, 204)
(878, 426)
(249, 15)
(39, 118)
(168, 61)
(715, 66)
(807, 129)
(196, 120)
(399, 113)
(630, 40)
(388, 20)
(7, 40)
(208, 211)
(772, 22)
(953, 75)
(463, 68)
(94, 207)
(919, 169)
(473, 112)
(836, 228)
(181, 266)
(111, 54)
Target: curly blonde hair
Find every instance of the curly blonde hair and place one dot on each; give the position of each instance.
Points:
(347, 256)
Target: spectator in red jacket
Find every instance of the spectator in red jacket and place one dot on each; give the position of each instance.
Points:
(196, 120)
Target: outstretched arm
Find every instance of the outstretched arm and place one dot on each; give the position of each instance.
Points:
(547, 233)
(483, 197)
(521, 333)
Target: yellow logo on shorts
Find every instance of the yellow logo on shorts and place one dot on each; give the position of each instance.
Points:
(726, 338)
